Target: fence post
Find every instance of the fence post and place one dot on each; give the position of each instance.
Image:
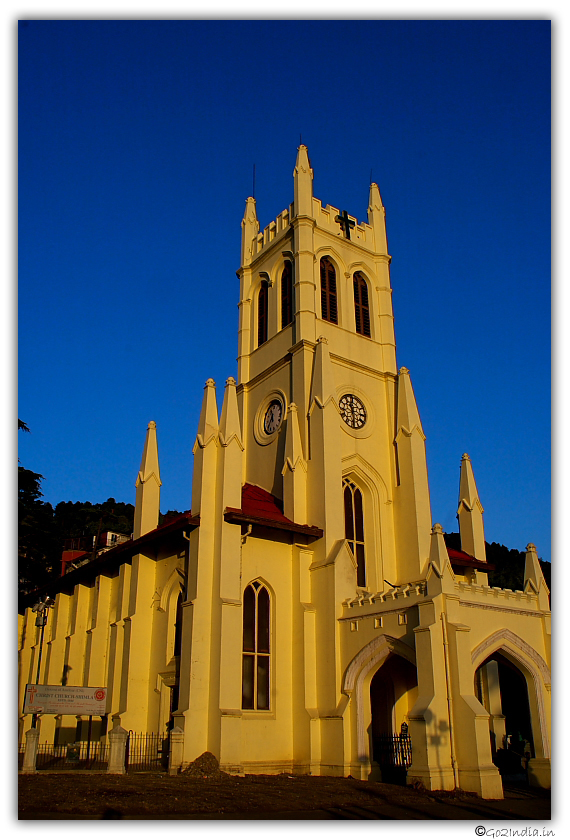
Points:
(117, 743)
(176, 750)
(31, 750)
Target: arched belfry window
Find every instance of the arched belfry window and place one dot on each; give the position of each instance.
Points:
(361, 308)
(287, 294)
(256, 637)
(354, 527)
(329, 309)
(262, 313)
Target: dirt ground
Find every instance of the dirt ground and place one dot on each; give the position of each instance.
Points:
(215, 795)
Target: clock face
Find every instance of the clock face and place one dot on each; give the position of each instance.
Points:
(352, 411)
(273, 417)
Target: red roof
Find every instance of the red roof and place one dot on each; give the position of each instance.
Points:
(260, 507)
(259, 503)
(461, 558)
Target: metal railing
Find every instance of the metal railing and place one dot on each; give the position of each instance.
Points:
(74, 755)
(146, 751)
(393, 750)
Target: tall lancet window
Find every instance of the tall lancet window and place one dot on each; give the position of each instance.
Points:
(361, 308)
(329, 309)
(354, 527)
(262, 313)
(255, 674)
(287, 294)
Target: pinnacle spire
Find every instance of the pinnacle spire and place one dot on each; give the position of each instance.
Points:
(534, 578)
(408, 414)
(208, 423)
(470, 512)
(294, 470)
(323, 387)
(249, 230)
(377, 219)
(230, 426)
(303, 183)
(148, 483)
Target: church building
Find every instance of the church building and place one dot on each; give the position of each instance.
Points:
(305, 616)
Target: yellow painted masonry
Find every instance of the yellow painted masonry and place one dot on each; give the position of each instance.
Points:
(306, 611)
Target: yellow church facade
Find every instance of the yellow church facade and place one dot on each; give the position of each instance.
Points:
(306, 612)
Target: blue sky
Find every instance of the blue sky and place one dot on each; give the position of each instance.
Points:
(136, 146)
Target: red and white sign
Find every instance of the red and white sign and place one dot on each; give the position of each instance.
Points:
(65, 700)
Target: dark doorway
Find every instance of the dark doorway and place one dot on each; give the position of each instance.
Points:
(393, 691)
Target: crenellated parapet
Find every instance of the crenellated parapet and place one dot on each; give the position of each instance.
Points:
(326, 218)
(473, 594)
(272, 231)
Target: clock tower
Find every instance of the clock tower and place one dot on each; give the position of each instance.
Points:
(317, 374)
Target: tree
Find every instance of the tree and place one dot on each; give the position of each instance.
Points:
(39, 550)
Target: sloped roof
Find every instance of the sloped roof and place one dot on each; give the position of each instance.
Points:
(259, 507)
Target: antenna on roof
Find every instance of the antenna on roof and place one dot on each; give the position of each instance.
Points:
(253, 190)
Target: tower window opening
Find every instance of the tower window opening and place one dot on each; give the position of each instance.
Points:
(361, 307)
(255, 673)
(329, 310)
(354, 527)
(262, 313)
(287, 294)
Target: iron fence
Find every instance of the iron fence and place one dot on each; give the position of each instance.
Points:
(86, 755)
(147, 751)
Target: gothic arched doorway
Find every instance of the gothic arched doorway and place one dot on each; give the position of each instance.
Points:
(502, 689)
(393, 692)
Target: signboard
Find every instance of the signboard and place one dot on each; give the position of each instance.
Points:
(65, 700)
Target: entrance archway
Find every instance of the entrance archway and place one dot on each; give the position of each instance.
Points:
(393, 692)
(502, 689)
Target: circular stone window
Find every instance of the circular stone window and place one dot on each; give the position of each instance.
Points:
(352, 411)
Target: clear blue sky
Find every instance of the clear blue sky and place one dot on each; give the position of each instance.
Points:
(136, 146)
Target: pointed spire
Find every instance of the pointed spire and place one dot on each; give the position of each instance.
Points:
(377, 219)
(208, 423)
(470, 513)
(205, 453)
(303, 184)
(534, 578)
(438, 556)
(230, 426)
(411, 496)
(148, 483)
(294, 471)
(323, 387)
(408, 414)
(249, 231)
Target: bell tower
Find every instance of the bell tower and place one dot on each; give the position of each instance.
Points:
(318, 388)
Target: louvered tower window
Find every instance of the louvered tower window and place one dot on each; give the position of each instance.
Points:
(255, 673)
(354, 527)
(262, 313)
(328, 291)
(361, 308)
(287, 294)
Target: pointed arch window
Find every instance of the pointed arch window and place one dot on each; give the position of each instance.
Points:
(354, 527)
(262, 313)
(256, 638)
(361, 307)
(287, 294)
(329, 309)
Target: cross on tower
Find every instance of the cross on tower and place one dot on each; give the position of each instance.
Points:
(345, 223)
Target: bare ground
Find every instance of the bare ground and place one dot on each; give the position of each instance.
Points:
(86, 795)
